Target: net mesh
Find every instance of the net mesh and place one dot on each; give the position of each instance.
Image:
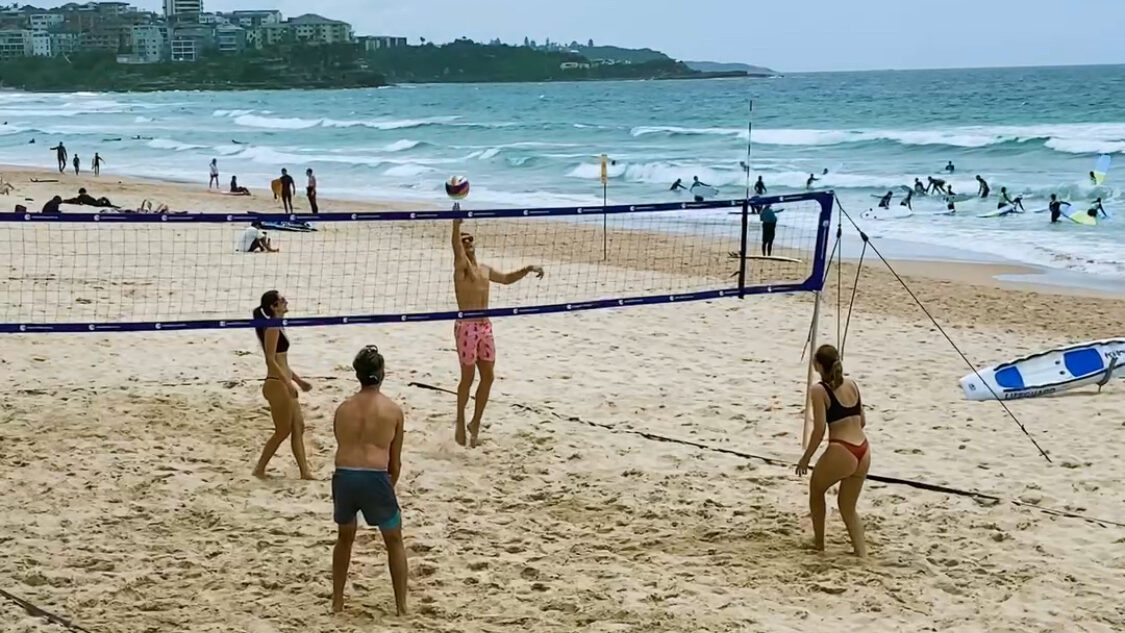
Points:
(136, 270)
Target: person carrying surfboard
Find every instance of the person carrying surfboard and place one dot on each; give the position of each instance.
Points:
(1096, 209)
(1093, 179)
(1055, 207)
(1006, 200)
(810, 181)
(696, 182)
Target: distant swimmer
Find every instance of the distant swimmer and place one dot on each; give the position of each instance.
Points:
(476, 347)
(885, 201)
(98, 161)
(214, 174)
(825, 172)
(1096, 209)
(810, 181)
(768, 218)
(61, 155)
(1093, 179)
(907, 201)
(678, 185)
(848, 456)
(983, 191)
(949, 169)
(369, 430)
(936, 185)
(919, 188)
(1055, 207)
(760, 187)
(744, 166)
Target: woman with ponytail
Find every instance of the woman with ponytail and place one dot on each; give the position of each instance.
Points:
(280, 387)
(848, 456)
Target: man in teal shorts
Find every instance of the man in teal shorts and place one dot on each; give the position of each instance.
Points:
(368, 428)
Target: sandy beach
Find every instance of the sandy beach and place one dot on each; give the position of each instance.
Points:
(127, 502)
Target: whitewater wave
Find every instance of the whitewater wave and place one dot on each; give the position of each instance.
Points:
(401, 145)
(231, 113)
(688, 131)
(408, 170)
(143, 119)
(275, 123)
(165, 143)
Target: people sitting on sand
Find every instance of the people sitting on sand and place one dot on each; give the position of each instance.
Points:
(153, 206)
(6, 187)
(52, 205)
(86, 199)
(678, 185)
(255, 240)
(236, 189)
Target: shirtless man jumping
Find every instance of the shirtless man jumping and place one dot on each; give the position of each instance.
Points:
(369, 430)
(475, 346)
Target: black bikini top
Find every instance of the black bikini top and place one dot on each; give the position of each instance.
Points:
(282, 340)
(836, 411)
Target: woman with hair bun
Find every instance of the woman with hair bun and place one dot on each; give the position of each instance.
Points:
(280, 387)
(848, 456)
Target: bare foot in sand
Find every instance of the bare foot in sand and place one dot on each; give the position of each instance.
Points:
(474, 431)
(308, 477)
(459, 434)
(260, 474)
(337, 605)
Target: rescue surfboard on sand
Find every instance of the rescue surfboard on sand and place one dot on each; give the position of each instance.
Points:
(1049, 372)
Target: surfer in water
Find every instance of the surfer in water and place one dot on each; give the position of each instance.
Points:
(937, 185)
(1093, 179)
(1055, 207)
(1006, 200)
(919, 188)
(983, 191)
(1096, 209)
(906, 202)
(696, 182)
(678, 185)
(949, 169)
(760, 187)
(885, 201)
(810, 181)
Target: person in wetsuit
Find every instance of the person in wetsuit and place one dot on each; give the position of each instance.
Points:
(983, 191)
(919, 188)
(678, 185)
(1055, 207)
(885, 201)
(810, 181)
(1096, 209)
(760, 187)
(907, 201)
(937, 185)
(949, 169)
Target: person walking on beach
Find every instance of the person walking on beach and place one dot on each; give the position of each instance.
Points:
(287, 189)
(848, 456)
(98, 160)
(983, 191)
(760, 187)
(61, 155)
(310, 190)
(280, 387)
(476, 347)
(769, 229)
(369, 432)
(77, 164)
(214, 175)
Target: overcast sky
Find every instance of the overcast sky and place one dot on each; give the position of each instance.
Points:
(787, 35)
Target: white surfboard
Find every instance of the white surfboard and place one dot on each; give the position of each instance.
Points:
(894, 213)
(704, 191)
(1049, 372)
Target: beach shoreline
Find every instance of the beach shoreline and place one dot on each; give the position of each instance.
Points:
(912, 259)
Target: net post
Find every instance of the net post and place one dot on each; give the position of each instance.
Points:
(742, 248)
(812, 371)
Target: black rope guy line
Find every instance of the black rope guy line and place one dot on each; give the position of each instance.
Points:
(867, 242)
(39, 612)
(773, 461)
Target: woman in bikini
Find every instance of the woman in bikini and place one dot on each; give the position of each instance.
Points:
(280, 387)
(848, 456)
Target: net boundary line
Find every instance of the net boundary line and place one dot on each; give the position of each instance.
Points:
(825, 198)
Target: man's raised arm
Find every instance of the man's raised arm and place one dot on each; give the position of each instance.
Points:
(460, 260)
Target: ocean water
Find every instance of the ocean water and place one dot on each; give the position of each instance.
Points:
(1035, 131)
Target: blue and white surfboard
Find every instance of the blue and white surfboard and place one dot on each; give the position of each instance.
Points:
(1049, 372)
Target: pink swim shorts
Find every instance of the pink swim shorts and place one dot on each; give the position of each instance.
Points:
(474, 341)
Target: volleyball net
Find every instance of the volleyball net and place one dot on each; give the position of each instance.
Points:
(109, 272)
